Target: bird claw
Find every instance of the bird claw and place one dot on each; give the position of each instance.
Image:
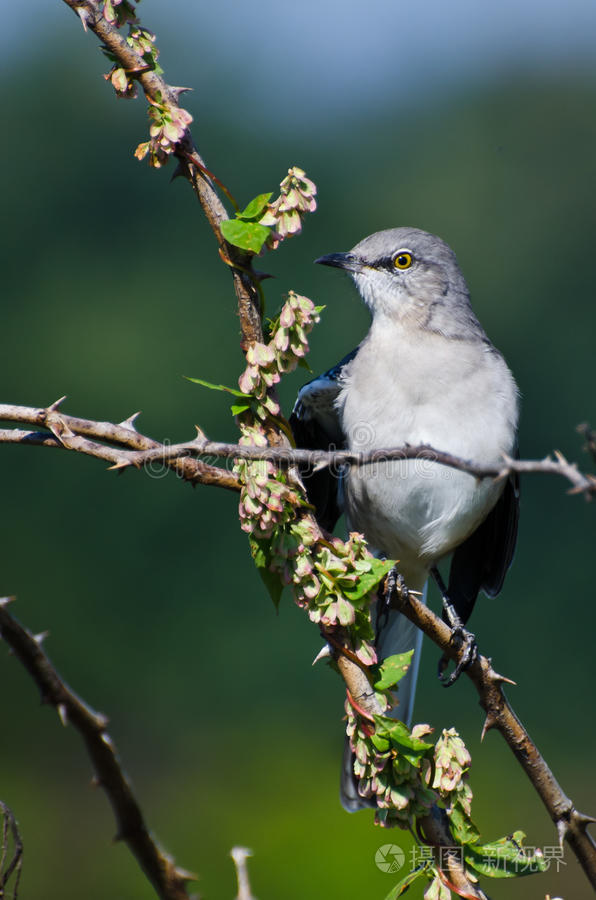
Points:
(465, 641)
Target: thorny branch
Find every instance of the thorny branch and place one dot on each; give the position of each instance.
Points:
(10, 864)
(136, 450)
(166, 877)
(571, 825)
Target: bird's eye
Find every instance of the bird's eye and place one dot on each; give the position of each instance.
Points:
(403, 259)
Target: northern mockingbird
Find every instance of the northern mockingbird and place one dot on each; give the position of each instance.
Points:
(426, 373)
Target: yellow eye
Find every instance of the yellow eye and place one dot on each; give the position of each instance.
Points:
(403, 259)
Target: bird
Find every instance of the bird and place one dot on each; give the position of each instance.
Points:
(425, 374)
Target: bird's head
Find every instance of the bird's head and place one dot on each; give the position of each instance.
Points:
(404, 273)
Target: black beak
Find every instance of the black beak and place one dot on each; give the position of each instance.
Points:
(346, 261)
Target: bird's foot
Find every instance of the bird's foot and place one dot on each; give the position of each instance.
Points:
(394, 584)
(465, 642)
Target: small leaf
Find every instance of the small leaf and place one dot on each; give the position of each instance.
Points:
(393, 669)
(262, 559)
(505, 858)
(402, 886)
(462, 826)
(413, 749)
(247, 235)
(369, 580)
(218, 387)
(237, 410)
(255, 207)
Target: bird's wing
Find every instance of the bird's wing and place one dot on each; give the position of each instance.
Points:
(482, 561)
(316, 426)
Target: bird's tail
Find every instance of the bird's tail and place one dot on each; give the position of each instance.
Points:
(398, 636)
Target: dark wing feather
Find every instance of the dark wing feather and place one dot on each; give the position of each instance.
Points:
(316, 426)
(482, 561)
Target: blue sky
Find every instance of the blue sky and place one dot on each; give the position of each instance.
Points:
(323, 58)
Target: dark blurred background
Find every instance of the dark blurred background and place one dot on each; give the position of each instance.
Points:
(477, 125)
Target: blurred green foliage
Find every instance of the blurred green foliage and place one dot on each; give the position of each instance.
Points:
(112, 291)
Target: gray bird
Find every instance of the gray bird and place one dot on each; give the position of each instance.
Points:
(426, 373)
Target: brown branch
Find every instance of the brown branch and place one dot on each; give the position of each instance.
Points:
(137, 450)
(201, 446)
(117, 442)
(14, 865)
(571, 825)
(166, 877)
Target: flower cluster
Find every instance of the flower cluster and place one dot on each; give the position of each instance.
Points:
(169, 124)
(452, 761)
(266, 500)
(297, 196)
(288, 344)
(392, 766)
(118, 12)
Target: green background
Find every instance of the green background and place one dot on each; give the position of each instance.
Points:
(112, 291)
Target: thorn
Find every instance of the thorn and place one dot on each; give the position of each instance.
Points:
(180, 171)
(63, 713)
(121, 464)
(61, 431)
(57, 403)
(130, 422)
(83, 15)
(185, 875)
(4, 601)
(489, 723)
(40, 638)
(501, 679)
(323, 653)
(582, 819)
(179, 90)
(262, 276)
(562, 829)
(201, 436)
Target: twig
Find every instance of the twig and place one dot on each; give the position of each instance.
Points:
(571, 825)
(10, 830)
(68, 432)
(166, 877)
(590, 436)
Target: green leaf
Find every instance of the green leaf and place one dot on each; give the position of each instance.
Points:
(256, 207)
(402, 886)
(393, 669)
(462, 826)
(219, 387)
(413, 749)
(237, 409)
(505, 858)
(369, 580)
(247, 235)
(262, 559)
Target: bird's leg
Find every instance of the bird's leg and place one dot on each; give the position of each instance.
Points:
(393, 582)
(460, 636)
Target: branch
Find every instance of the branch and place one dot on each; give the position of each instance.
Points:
(137, 450)
(319, 459)
(71, 433)
(571, 825)
(166, 877)
(14, 865)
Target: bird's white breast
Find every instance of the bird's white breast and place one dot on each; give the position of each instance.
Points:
(411, 386)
